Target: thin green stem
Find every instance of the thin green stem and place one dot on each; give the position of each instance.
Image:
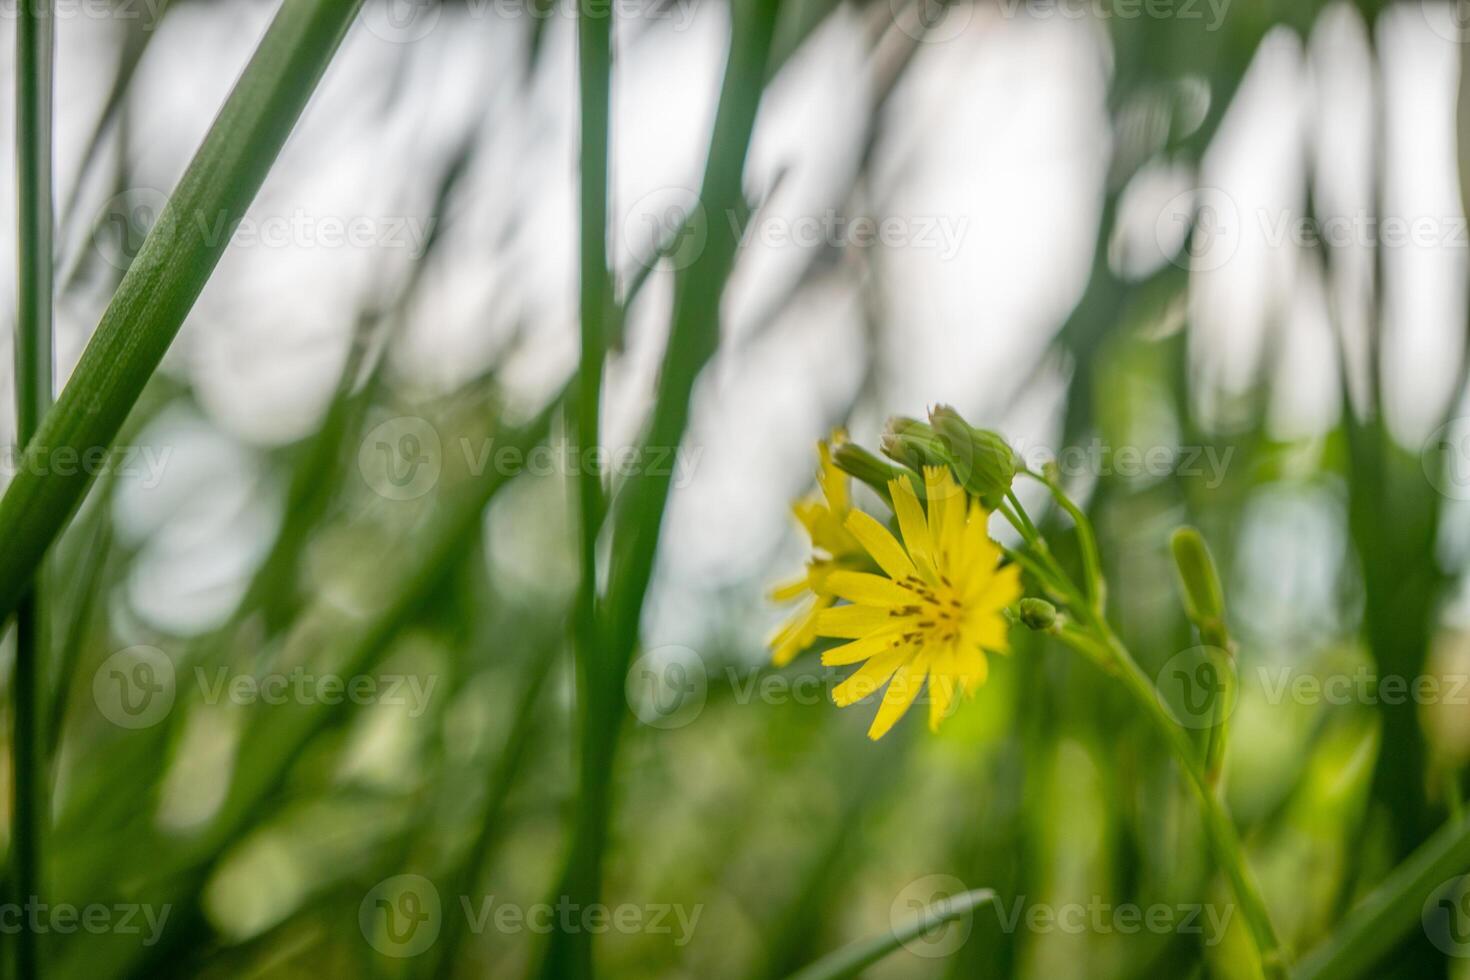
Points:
(1091, 558)
(35, 46)
(1219, 828)
(1095, 637)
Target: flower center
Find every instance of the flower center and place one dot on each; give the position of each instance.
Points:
(938, 613)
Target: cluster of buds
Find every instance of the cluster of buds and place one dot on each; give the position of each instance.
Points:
(981, 461)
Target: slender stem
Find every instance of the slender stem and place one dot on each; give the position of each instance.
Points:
(594, 673)
(1219, 827)
(1091, 559)
(35, 45)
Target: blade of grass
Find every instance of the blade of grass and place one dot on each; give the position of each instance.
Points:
(501, 780)
(693, 337)
(1387, 914)
(851, 960)
(160, 287)
(276, 735)
(594, 40)
(35, 49)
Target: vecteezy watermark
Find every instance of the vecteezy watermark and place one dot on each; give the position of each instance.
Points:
(1446, 916)
(1210, 12)
(932, 21)
(1445, 457)
(146, 11)
(1195, 687)
(667, 687)
(1211, 224)
(1450, 19)
(942, 234)
(407, 21)
(918, 897)
(136, 688)
(1099, 916)
(402, 458)
(95, 918)
(142, 463)
(125, 220)
(403, 915)
(671, 225)
(1100, 459)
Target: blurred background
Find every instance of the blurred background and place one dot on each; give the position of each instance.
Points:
(1210, 256)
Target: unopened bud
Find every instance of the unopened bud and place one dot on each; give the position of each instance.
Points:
(1204, 600)
(1037, 614)
(862, 465)
(913, 444)
(982, 461)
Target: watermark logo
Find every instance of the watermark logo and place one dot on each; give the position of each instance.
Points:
(1450, 19)
(667, 224)
(401, 916)
(123, 223)
(913, 901)
(1446, 917)
(667, 687)
(931, 21)
(1445, 457)
(135, 687)
(1195, 689)
(95, 918)
(400, 21)
(401, 458)
(1207, 221)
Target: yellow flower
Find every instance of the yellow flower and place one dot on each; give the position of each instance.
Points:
(939, 606)
(824, 516)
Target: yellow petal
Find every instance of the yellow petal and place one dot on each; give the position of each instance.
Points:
(978, 551)
(867, 679)
(999, 590)
(912, 523)
(942, 685)
(972, 669)
(799, 632)
(945, 502)
(901, 692)
(853, 622)
(787, 591)
(868, 589)
(884, 547)
(832, 481)
(868, 646)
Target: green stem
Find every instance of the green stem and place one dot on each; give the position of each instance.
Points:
(35, 46)
(1091, 558)
(1219, 828)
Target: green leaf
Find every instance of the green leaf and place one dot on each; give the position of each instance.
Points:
(851, 960)
(164, 280)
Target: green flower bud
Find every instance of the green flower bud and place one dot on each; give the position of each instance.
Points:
(913, 444)
(1037, 614)
(862, 465)
(1204, 599)
(982, 461)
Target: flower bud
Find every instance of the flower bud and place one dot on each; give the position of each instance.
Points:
(862, 465)
(1037, 614)
(1204, 600)
(982, 460)
(913, 444)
